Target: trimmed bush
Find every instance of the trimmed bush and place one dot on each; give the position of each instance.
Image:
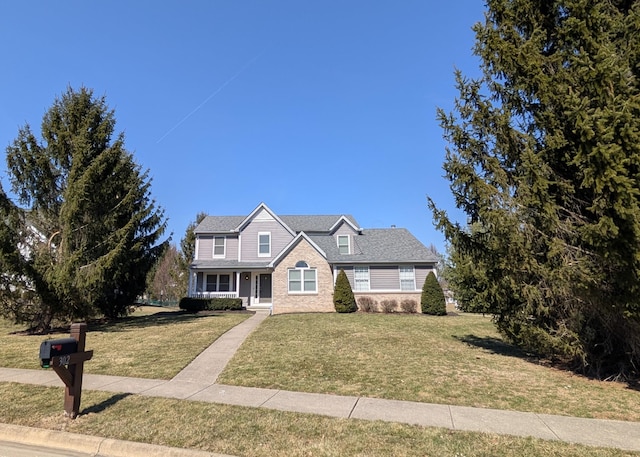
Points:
(388, 306)
(210, 304)
(343, 299)
(409, 305)
(432, 299)
(367, 304)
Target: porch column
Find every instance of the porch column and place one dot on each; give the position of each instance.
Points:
(237, 284)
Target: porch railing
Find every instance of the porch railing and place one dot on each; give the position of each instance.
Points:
(231, 294)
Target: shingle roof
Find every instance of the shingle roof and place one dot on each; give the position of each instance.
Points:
(395, 245)
(228, 264)
(314, 223)
(217, 224)
(309, 224)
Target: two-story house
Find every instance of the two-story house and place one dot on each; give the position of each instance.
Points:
(290, 263)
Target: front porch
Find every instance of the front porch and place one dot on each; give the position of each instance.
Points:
(253, 287)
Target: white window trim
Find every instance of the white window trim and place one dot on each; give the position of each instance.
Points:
(302, 291)
(224, 247)
(264, 254)
(368, 279)
(348, 243)
(217, 275)
(400, 278)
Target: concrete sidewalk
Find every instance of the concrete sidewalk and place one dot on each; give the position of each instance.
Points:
(197, 383)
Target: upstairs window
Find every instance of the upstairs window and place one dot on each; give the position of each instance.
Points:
(264, 244)
(343, 244)
(218, 246)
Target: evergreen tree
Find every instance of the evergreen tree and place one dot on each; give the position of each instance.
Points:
(544, 160)
(432, 299)
(343, 299)
(89, 199)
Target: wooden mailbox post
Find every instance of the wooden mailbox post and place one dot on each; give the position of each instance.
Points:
(68, 367)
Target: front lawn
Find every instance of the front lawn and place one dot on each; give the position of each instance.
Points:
(458, 360)
(151, 343)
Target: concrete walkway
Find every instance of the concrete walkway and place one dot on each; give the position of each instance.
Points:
(198, 382)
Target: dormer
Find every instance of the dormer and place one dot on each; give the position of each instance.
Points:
(344, 232)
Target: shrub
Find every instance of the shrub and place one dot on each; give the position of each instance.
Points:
(367, 304)
(409, 305)
(343, 299)
(388, 306)
(432, 299)
(210, 304)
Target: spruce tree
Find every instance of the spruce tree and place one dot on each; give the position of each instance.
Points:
(85, 194)
(544, 160)
(432, 299)
(343, 299)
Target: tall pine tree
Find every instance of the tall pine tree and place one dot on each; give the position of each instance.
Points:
(545, 162)
(84, 194)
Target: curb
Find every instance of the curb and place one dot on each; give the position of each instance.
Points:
(92, 445)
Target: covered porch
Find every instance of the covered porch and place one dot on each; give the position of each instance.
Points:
(253, 287)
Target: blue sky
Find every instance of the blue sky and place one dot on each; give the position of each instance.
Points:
(325, 107)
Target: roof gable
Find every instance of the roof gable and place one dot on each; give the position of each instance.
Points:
(344, 220)
(262, 212)
(301, 236)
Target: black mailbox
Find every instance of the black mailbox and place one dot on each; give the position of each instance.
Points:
(54, 348)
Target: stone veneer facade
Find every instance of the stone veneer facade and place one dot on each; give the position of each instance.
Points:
(321, 301)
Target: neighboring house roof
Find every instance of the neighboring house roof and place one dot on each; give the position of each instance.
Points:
(397, 245)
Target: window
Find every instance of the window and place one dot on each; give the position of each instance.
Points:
(218, 283)
(264, 244)
(343, 244)
(212, 283)
(407, 278)
(361, 278)
(302, 279)
(224, 281)
(218, 246)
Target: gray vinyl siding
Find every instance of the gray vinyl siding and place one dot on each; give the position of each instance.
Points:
(231, 250)
(349, 272)
(387, 277)
(345, 229)
(421, 274)
(384, 278)
(280, 237)
(205, 247)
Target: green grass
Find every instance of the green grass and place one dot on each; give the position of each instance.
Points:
(458, 360)
(151, 343)
(254, 432)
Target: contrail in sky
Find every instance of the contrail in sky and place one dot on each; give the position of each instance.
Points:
(216, 92)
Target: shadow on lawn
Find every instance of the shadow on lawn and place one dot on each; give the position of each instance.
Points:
(152, 320)
(103, 405)
(494, 345)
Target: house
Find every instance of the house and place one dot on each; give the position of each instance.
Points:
(290, 263)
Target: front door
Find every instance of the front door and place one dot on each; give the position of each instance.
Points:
(264, 288)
